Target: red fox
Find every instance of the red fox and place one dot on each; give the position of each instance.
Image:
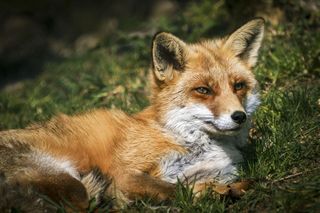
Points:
(202, 98)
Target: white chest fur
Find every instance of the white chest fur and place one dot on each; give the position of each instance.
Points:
(208, 158)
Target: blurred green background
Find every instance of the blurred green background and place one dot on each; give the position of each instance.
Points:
(36, 31)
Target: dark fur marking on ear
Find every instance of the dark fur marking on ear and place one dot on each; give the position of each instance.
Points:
(245, 42)
(249, 40)
(170, 56)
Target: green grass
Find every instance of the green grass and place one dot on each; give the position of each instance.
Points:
(284, 156)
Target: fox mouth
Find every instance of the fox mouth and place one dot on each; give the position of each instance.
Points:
(210, 123)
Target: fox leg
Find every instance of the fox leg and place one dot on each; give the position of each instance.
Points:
(60, 187)
(133, 186)
(235, 190)
(33, 191)
(32, 170)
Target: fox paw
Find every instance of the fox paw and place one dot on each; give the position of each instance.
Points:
(236, 190)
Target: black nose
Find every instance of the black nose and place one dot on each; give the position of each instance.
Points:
(239, 117)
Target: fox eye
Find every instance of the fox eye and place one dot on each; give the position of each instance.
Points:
(203, 90)
(239, 86)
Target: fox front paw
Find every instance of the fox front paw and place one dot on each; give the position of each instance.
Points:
(234, 190)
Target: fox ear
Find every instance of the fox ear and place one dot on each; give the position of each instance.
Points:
(168, 53)
(246, 41)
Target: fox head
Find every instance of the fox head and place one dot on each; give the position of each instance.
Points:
(207, 85)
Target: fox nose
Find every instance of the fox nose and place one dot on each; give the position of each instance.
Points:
(239, 117)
